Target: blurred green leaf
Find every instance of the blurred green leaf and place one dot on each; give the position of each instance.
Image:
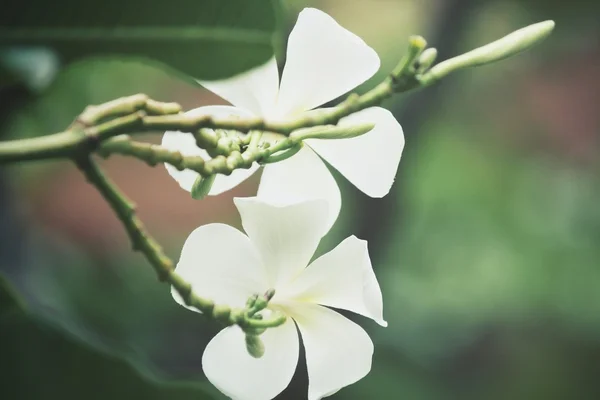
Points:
(206, 39)
(39, 361)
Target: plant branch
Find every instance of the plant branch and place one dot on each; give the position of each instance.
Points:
(163, 266)
(140, 114)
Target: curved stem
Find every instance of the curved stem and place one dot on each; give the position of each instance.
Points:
(151, 249)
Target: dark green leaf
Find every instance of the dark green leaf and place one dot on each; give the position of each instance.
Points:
(39, 361)
(206, 39)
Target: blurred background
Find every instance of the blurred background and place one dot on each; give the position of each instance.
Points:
(487, 249)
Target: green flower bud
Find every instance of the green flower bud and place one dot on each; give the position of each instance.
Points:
(331, 132)
(251, 300)
(417, 41)
(426, 59)
(260, 303)
(255, 346)
(269, 294)
(507, 46)
(202, 186)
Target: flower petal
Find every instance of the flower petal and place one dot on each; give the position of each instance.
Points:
(238, 375)
(342, 278)
(254, 90)
(369, 161)
(285, 236)
(301, 177)
(324, 61)
(186, 145)
(221, 264)
(338, 351)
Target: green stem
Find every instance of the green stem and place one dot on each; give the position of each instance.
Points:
(152, 154)
(124, 106)
(58, 145)
(139, 114)
(163, 266)
(125, 211)
(88, 130)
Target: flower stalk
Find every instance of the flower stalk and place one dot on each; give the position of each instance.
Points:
(140, 114)
(163, 266)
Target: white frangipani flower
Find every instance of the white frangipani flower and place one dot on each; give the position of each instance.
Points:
(324, 61)
(227, 266)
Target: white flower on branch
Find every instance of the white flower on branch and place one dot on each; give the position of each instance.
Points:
(324, 61)
(224, 264)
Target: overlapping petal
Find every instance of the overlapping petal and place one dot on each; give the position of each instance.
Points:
(285, 236)
(324, 61)
(338, 351)
(342, 278)
(233, 371)
(186, 145)
(221, 264)
(254, 90)
(369, 161)
(301, 177)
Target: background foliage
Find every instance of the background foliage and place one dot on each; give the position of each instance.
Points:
(207, 40)
(487, 249)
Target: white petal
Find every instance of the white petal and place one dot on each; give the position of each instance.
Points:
(186, 145)
(369, 161)
(254, 90)
(221, 264)
(285, 236)
(234, 372)
(301, 177)
(338, 351)
(324, 61)
(342, 278)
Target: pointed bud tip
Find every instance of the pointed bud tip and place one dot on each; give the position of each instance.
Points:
(548, 24)
(543, 28)
(269, 294)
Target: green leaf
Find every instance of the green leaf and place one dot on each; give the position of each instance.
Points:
(204, 39)
(39, 361)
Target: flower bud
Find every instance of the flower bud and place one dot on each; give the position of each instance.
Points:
(251, 300)
(202, 186)
(426, 59)
(269, 294)
(255, 346)
(507, 46)
(331, 132)
(260, 303)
